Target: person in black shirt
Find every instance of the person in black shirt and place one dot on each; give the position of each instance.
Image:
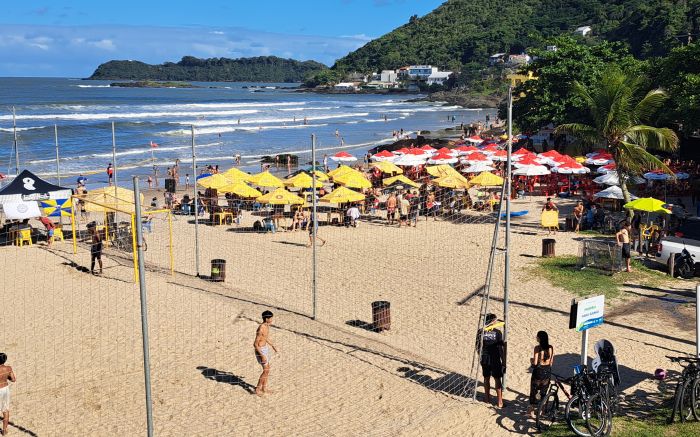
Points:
(492, 358)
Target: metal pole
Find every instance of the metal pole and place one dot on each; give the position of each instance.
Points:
(314, 223)
(697, 321)
(584, 348)
(58, 167)
(114, 155)
(14, 130)
(196, 205)
(508, 190)
(144, 308)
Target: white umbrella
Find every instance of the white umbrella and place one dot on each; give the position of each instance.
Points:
(532, 170)
(410, 160)
(613, 192)
(611, 178)
(343, 157)
(570, 169)
(479, 167)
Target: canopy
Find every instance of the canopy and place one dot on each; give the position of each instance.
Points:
(487, 179)
(387, 167)
(281, 197)
(571, 169)
(343, 157)
(266, 179)
(110, 199)
(612, 192)
(29, 187)
(234, 174)
(384, 155)
(532, 170)
(340, 170)
(411, 160)
(451, 182)
(241, 189)
(613, 179)
(214, 181)
(400, 178)
(442, 158)
(342, 195)
(302, 180)
(501, 155)
(463, 149)
(428, 148)
(353, 179)
(476, 157)
(526, 160)
(647, 204)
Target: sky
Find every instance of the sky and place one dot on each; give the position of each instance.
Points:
(55, 38)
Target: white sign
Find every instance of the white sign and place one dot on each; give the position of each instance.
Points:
(589, 313)
(21, 210)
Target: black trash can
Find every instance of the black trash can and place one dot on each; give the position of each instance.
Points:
(381, 315)
(218, 270)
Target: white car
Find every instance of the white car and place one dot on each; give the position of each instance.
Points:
(687, 236)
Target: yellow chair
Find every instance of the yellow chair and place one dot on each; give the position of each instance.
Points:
(24, 236)
(58, 234)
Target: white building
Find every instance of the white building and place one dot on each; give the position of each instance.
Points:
(388, 76)
(583, 30)
(345, 86)
(421, 72)
(521, 59)
(496, 58)
(439, 77)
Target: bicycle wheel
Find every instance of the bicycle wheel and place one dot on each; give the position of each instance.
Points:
(547, 409)
(696, 398)
(685, 409)
(575, 414)
(599, 418)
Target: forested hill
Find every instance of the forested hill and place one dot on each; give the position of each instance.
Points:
(463, 31)
(260, 69)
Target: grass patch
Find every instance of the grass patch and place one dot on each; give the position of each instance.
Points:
(563, 271)
(652, 426)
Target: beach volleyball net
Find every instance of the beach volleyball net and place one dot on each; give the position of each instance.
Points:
(396, 312)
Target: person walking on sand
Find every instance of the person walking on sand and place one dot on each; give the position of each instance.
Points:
(262, 347)
(313, 226)
(110, 173)
(7, 375)
(95, 247)
(541, 363)
(623, 240)
(492, 357)
(578, 216)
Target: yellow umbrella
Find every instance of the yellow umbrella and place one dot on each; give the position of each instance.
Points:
(321, 175)
(580, 159)
(241, 189)
(340, 170)
(451, 182)
(110, 198)
(439, 171)
(353, 179)
(234, 174)
(487, 179)
(302, 180)
(401, 178)
(647, 204)
(214, 181)
(266, 179)
(281, 197)
(387, 167)
(343, 195)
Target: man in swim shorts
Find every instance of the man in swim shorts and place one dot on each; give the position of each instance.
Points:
(492, 357)
(6, 375)
(262, 351)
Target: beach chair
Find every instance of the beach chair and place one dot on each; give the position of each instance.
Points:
(58, 234)
(23, 236)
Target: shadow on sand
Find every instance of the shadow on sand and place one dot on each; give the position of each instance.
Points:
(225, 378)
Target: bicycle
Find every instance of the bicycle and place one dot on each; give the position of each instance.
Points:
(686, 399)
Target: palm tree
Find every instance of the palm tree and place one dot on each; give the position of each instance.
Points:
(619, 111)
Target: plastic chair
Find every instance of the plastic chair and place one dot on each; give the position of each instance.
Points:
(24, 236)
(58, 234)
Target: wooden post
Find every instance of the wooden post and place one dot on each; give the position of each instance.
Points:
(671, 264)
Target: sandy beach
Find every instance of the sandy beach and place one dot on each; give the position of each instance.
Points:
(75, 344)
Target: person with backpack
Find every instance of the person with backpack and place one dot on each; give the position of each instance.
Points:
(489, 341)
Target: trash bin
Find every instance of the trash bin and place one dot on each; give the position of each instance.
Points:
(548, 247)
(218, 270)
(381, 315)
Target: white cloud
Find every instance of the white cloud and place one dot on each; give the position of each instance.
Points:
(78, 50)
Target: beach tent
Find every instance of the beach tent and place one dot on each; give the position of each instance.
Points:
(266, 179)
(241, 189)
(214, 181)
(342, 195)
(353, 179)
(387, 167)
(402, 179)
(487, 179)
(19, 198)
(235, 174)
(281, 197)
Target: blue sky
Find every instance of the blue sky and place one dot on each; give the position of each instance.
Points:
(70, 38)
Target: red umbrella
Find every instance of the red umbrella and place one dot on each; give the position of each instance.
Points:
(500, 155)
(428, 148)
(466, 149)
(476, 156)
(415, 151)
(445, 151)
(490, 147)
(522, 151)
(401, 151)
(527, 160)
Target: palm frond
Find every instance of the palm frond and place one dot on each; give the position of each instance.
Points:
(587, 134)
(649, 137)
(634, 159)
(650, 104)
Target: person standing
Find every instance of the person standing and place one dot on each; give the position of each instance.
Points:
(95, 247)
(541, 363)
(110, 173)
(623, 240)
(325, 163)
(492, 358)
(391, 208)
(262, 347)
(404, 209)
(7, 375)
(313, 226)
(578, 216)
(187, 181)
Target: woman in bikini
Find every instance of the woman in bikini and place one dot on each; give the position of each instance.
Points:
(541, 370)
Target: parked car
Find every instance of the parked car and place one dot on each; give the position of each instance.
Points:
(686, 237)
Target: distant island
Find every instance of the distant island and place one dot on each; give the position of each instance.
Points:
(191, 69)
(153, 84)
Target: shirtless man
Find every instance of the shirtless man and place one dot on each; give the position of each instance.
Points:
(6, 374)
(262, 351)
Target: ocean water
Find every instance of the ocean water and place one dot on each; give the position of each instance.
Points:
(228, 120)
